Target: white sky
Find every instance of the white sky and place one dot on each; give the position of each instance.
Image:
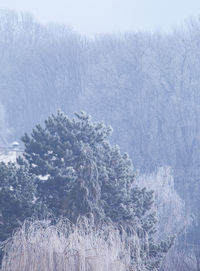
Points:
(96, 16)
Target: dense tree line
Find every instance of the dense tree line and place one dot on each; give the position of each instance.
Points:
(153, 76)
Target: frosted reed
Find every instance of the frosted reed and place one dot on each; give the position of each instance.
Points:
(41, 246)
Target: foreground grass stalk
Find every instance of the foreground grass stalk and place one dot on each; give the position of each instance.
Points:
(41, 246)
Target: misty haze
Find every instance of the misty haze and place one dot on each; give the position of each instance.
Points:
(99, 138)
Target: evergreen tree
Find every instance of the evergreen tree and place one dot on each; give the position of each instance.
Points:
(17, 198)
(79, 172)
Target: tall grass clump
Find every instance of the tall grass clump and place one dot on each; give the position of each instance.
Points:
(63, 246)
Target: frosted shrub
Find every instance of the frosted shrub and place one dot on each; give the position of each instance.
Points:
(41, 246)
(168, 204)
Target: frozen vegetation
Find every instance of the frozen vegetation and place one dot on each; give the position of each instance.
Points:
(145, 85)
(38, 245)
(171, 213)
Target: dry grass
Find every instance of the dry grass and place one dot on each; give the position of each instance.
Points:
(41, 246)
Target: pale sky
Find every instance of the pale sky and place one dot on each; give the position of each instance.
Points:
(97, 16)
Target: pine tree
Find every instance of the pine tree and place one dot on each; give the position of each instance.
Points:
(17, 198)
(79, 172)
